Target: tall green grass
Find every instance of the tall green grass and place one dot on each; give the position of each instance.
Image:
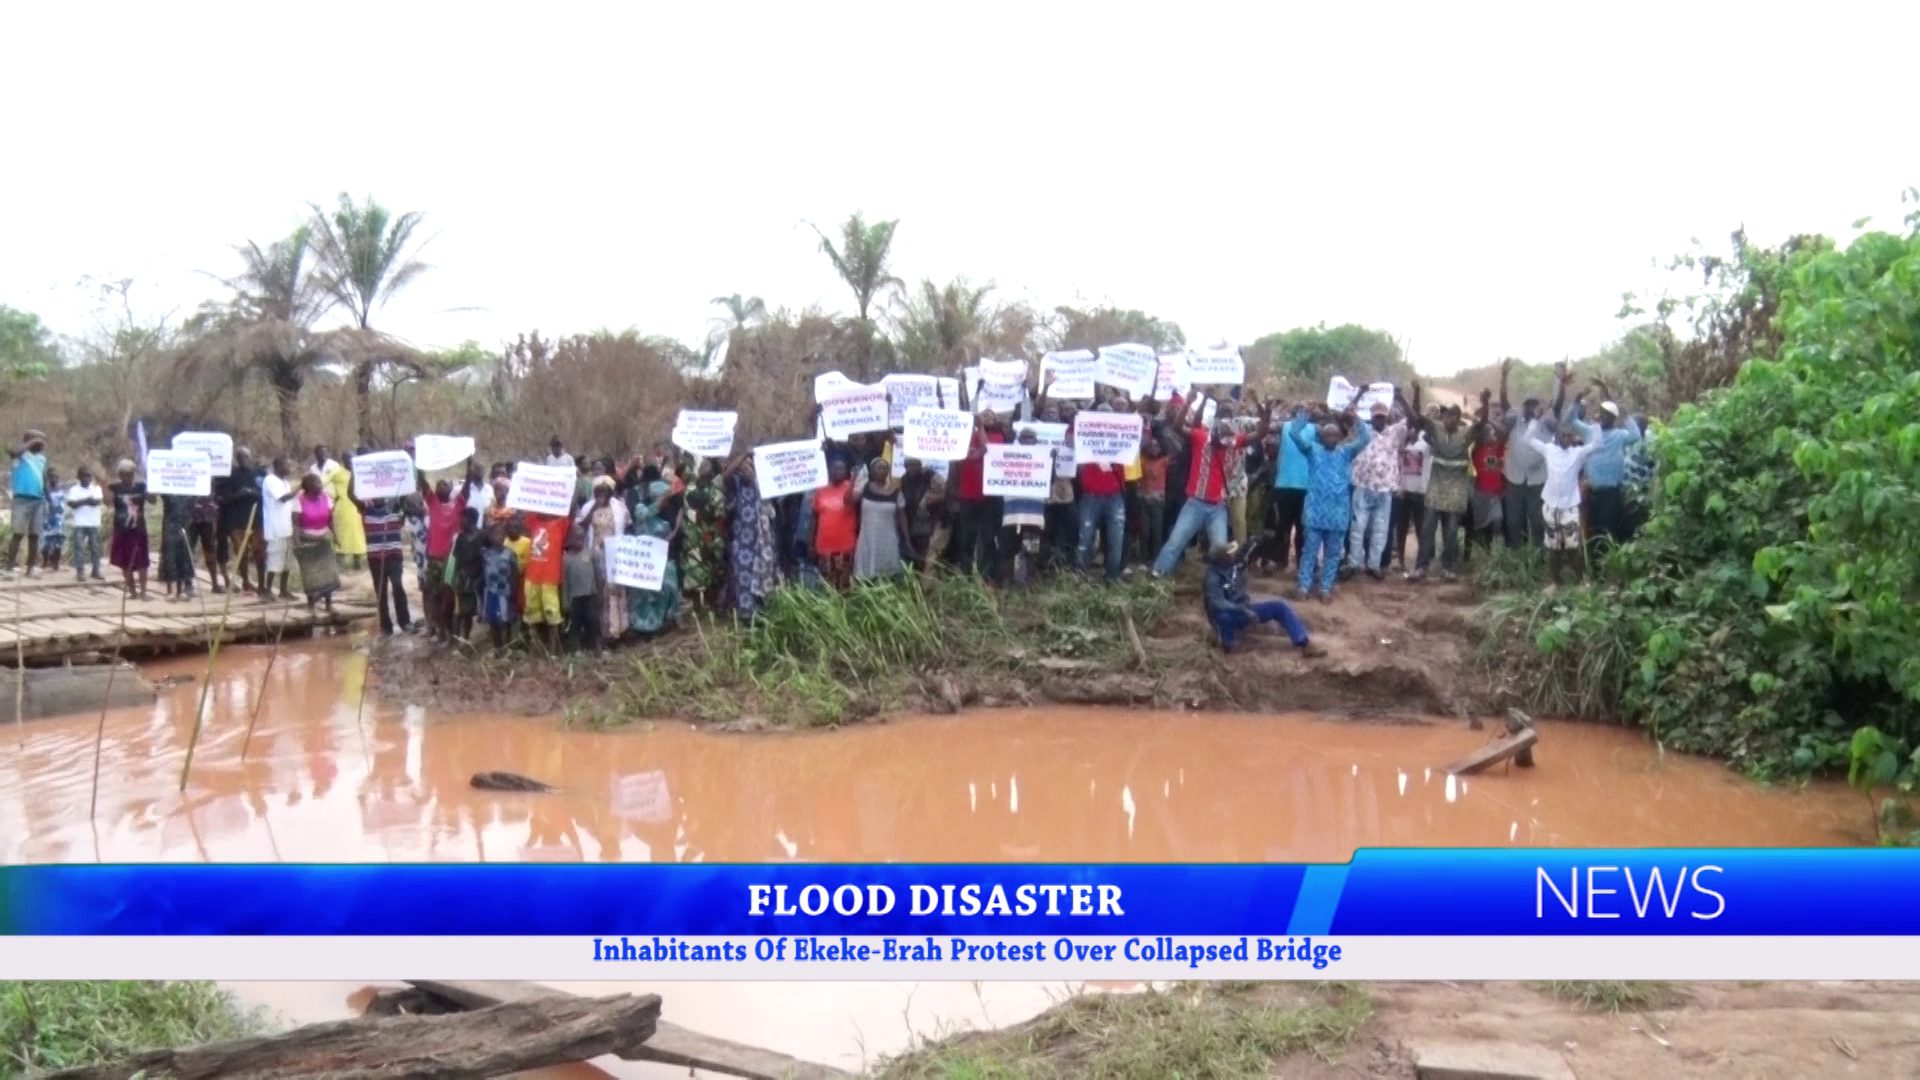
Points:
(63, 1025)
(821, 657)
(1564, 653)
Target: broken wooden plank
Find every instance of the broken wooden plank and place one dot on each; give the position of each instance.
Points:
(670, 1044)
(1495, 752)
(460, 1046)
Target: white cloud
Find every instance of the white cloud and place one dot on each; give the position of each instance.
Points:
(1481, 181)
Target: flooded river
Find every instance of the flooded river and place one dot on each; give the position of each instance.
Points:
(317, 785)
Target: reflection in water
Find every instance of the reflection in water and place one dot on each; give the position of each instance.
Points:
(1033, 784)
(320, 785)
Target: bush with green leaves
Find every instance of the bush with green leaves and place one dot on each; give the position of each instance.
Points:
(1773, 598)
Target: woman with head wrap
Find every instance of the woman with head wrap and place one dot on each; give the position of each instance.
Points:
(883, 522)
(604, 517)
(836, 525)
(650, 610)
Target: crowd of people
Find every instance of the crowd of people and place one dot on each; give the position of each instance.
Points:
(1257, 485)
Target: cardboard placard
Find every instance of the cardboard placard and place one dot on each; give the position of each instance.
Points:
(179, 472)
(1131, 368)
(990, 396)
(1054, 438)
(1340, 393)
(936, 434)
(1017, 472)
(1380, 393)
(906, 391)
(705, 434)
(1172, 376)
(1106, 438)
(789, 467)
(1216, 367)
(435, 452)
(542, 489)
(637, 562)
(385, 475)
(827, 383)
(1004, 371)
(1073, 375)
(218, 446)
(854, 409)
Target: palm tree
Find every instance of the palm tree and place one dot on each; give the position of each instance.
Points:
(730, 329)
(945, 327)
(861, 262)
(364, 260)
(265, 330)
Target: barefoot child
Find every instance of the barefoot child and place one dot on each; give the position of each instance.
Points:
(53, 537)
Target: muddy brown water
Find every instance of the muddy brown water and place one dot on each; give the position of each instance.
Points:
(1017, 785)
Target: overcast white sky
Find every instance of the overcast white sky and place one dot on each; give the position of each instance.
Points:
(1479, 180)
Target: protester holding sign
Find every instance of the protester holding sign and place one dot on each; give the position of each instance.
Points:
(176, 546)
(1024, 518)
(128, 548)
(238, 497)
(977, 516)
(444, 511)
(1103, 505)
(649, 611)
(349, 535)
(386, 552)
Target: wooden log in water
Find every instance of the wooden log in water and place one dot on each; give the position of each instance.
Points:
(670, 1044)
(63, 691)
(503, 1039)
(1495, 752)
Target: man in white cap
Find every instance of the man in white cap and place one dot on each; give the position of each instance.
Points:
(29, 498)
(1606, 466)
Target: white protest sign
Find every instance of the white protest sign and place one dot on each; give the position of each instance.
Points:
(542, 489)
(1172, 377)
(1131, 368)
(852, 409)
(936, 434)
(989, 396)
(1054, 438)
(1216, 367)
(1340, 393)
(435, 452)
(1106, 438)
(1017, 472)
(642, 796)
(705, 434)
(1208, 411)
(1073, 375)
(789, 467)
(216, 445)
(385, 475)
(827, 382)
(1004, 371)
(637, 562)
(179, 472)
(906, 391)
(949, 395)
(1380, 393)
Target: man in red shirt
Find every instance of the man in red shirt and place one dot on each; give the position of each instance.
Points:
(1213, 454)
(1103, 502)
(976, 518)
(444, 509)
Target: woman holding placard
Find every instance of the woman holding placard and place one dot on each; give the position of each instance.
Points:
(650, 610)
(883, 521)
(602, 518)
(349, 533)
(836, 525)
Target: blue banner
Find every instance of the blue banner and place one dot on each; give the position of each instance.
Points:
(1399, 893)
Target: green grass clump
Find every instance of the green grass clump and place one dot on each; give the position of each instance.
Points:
(1189, 1030)
(819, 657)
(1613, 997)
(63, 1025)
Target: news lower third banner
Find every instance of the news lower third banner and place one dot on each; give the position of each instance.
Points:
(1403, 914)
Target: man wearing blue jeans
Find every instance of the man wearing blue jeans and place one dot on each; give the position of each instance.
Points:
(1375, 478)
(1214, 453)
(1231, 609)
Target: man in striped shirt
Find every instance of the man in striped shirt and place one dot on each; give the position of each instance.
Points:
(386, 560)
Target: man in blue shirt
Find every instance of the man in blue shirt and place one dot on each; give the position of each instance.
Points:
(29, 499)
(1606, 469)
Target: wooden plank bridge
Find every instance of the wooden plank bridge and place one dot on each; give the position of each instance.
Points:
(51, 618)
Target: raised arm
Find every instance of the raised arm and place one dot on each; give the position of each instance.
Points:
(1298, 433)
(1506, 366)
(1266, 422)
(1560, 392)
